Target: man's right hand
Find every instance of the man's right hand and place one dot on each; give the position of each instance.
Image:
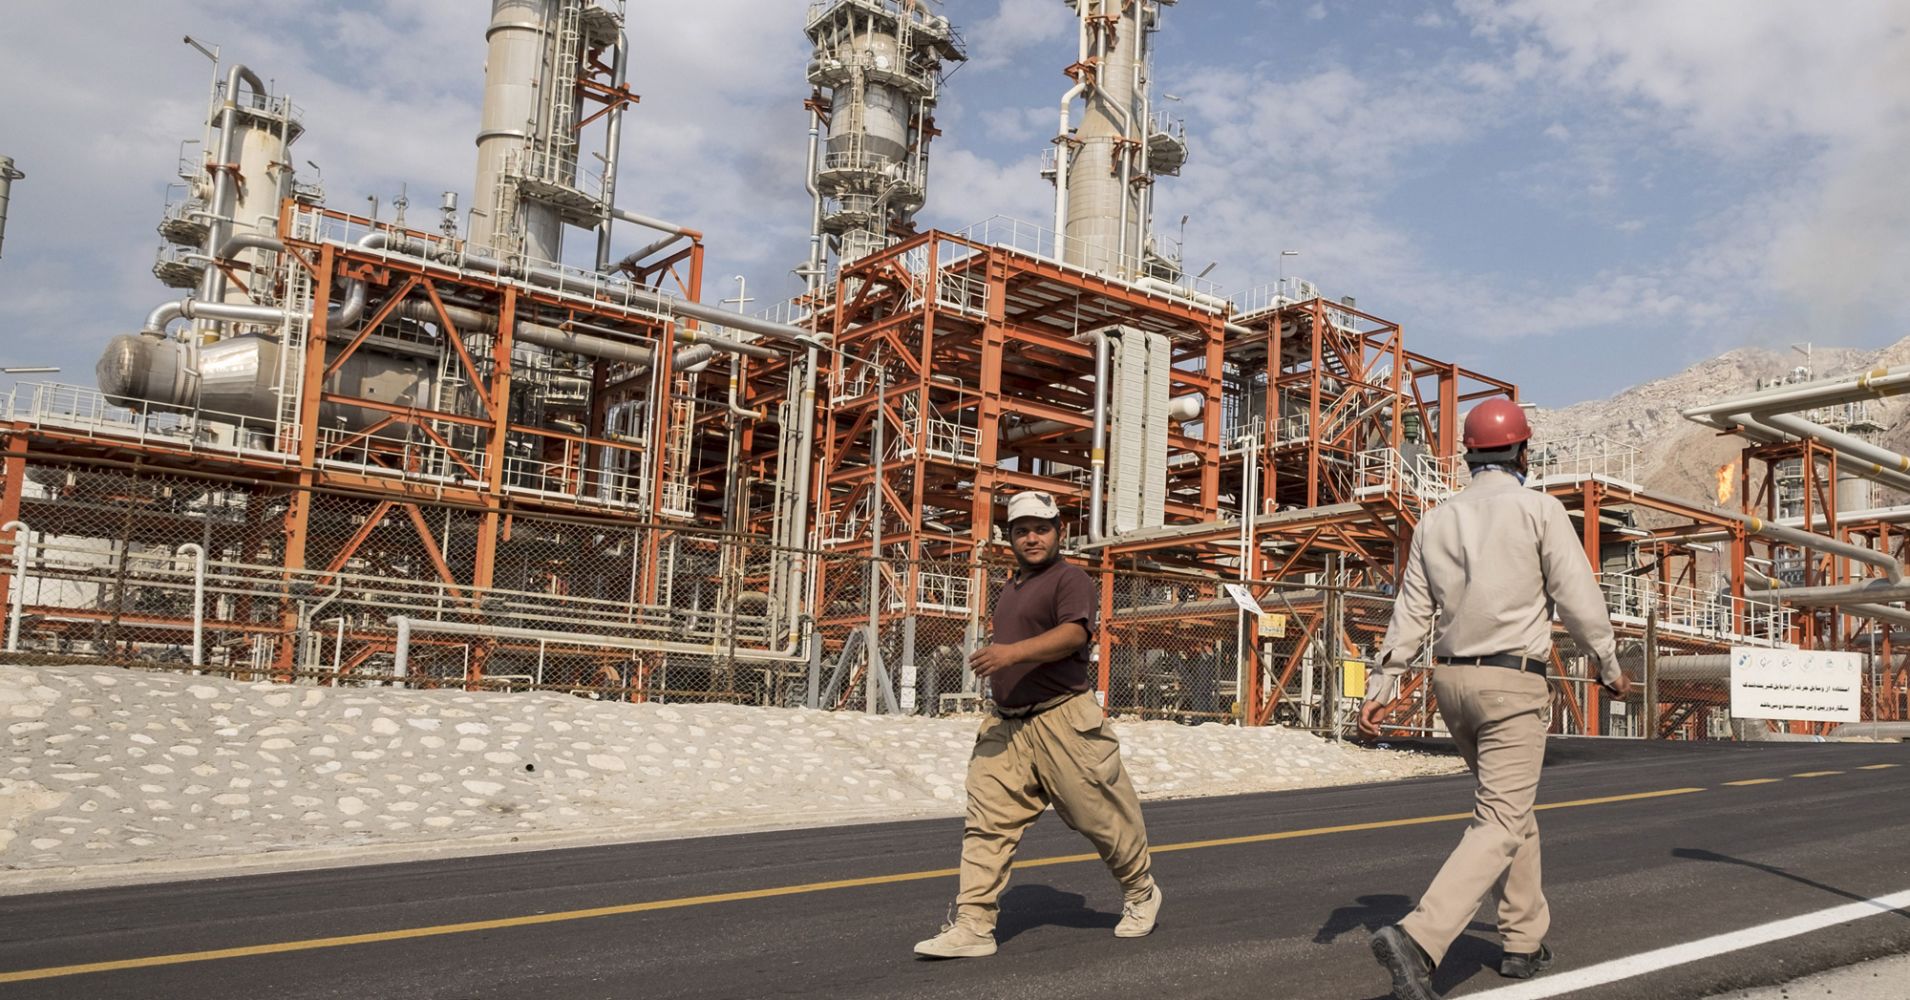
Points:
(1620, 688)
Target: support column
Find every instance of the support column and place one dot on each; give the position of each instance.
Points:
(299, 512)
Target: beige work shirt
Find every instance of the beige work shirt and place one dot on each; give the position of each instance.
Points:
(1486, 571)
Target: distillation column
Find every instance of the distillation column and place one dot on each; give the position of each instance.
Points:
(876, 69)
(1106, 164)
(527, 185)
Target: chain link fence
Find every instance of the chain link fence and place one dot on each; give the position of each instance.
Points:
(170, 569)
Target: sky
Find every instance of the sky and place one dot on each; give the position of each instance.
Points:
(1575, 195)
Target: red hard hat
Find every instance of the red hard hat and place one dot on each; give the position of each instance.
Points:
(1495, 425)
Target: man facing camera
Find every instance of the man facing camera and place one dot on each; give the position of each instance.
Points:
(1045, 741)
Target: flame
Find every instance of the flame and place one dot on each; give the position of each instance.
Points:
(1727, 482)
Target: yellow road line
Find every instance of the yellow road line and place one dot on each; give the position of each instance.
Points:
(562, 916)
(1815, 774)
(1753, 781)
(1877, 767)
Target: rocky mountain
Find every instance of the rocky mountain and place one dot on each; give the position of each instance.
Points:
(1679, 457)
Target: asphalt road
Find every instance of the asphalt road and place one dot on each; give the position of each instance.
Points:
(1268, 895)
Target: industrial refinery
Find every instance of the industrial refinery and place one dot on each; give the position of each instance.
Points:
(341, 450)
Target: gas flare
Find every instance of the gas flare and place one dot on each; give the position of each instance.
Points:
(1727, 482)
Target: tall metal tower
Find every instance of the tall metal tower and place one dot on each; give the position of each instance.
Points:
(877, 70)
(544, 62)
(1104, 168)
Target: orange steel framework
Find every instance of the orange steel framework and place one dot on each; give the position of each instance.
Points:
(469, 439)
(967, 361)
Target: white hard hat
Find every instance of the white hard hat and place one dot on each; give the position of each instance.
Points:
(1033, 503)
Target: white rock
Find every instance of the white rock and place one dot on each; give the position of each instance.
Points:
(606, 762)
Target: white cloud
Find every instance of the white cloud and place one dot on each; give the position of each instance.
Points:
(1740, 81)
(390, 98)
(1016, 27)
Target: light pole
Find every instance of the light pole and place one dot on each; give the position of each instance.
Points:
(1280, 286)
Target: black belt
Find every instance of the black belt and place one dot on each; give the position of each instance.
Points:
(1029, 711)
(1510, 661)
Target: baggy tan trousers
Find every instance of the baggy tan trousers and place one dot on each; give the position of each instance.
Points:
(1066, 756)
(1498, 717)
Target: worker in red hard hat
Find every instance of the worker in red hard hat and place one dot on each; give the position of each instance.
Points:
(1485, 572)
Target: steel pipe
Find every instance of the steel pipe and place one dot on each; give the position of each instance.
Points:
(8, 174)
(18, 609)
(407, 625)
(225, 170)
(198, 601)
(1873, 384)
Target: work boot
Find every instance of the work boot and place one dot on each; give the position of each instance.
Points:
(957, 941)
(1138, 915)
(1406, 962)
(1525, 964)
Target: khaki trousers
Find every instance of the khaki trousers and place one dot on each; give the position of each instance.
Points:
(1498, 717)
(1066, 756)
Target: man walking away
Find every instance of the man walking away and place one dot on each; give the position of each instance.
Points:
(1044, 741)
(1486, 570)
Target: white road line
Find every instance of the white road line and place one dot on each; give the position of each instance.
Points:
(1679, 954)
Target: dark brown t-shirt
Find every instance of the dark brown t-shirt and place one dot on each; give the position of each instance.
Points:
(1031, 605)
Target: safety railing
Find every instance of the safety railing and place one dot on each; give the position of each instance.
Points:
(1037, 241)
(946, 440)
(1691, 611)
(1423, 480)
(917, 15)
(401, 452)
(77, 409)
(1584, 457)
(1285, 291)
(457, 258)
(605, 482)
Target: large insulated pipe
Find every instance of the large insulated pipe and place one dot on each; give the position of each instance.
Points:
(341, 315)
(659, 302)
(613, 146)
(1098, 445)
(1064, 138)
(813, 276)
(8, 174)
(225, 178)
(1892, 570)
(1758, 582)
(1872, 730)
(650, 222)
(1879, 459)
(1872, 384)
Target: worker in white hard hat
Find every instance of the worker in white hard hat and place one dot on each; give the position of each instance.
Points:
(1045, 741)
(1485, 574)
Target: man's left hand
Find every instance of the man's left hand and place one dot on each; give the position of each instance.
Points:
(1370, 715)
(992, 659)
